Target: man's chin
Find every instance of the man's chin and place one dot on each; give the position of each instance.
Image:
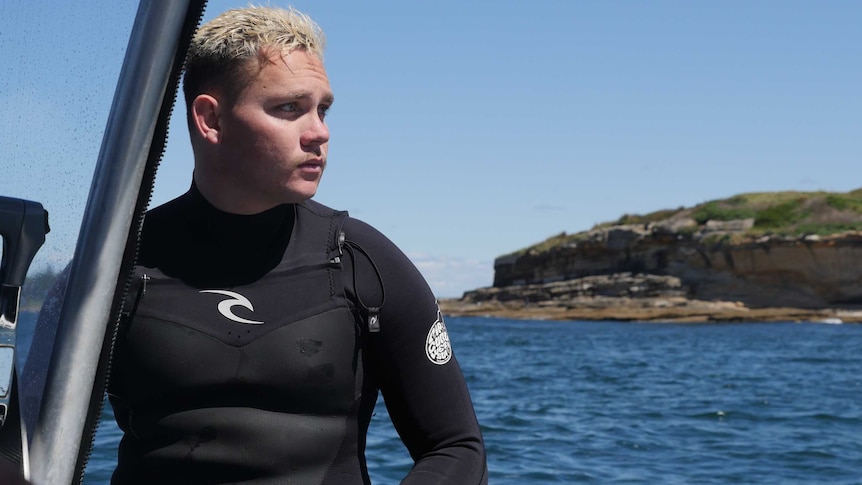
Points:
(302, 193)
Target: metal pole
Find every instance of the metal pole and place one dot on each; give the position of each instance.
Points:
(57, 438)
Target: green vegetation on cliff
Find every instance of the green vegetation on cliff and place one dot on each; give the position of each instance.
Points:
(789, 213)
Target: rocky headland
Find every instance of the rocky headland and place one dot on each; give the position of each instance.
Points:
(778, 256)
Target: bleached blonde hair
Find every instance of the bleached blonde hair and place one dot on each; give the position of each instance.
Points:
(223, 51)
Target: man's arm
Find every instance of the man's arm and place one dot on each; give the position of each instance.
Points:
(421, 381)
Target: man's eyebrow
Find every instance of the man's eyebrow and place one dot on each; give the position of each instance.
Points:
(328, 98)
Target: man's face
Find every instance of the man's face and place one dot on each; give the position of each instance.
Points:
(274, 137)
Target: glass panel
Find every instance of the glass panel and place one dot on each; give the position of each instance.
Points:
(6, 356)
(58, 71)
(59, 65)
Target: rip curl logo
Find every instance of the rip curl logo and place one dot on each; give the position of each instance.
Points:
(225, 307)
(437, 345)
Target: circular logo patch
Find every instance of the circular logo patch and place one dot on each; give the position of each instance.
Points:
(437, 345)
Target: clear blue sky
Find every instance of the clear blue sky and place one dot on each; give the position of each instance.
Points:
(467, 130)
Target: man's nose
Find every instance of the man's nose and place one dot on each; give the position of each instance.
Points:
(316, 132)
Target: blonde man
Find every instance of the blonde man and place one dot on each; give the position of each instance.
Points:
(263, 323)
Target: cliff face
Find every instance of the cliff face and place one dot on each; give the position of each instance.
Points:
(765, 271)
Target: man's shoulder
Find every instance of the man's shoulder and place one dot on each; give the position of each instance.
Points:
(368, 237)
(319, 209)
(355, 229)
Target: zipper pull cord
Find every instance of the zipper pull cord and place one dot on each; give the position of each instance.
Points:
(373, 312)
(340, 242)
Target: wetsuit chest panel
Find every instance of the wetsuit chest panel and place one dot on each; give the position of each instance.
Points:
(282, 405)
(308, 366)
(238, 316)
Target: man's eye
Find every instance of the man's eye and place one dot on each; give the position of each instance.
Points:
(289, 108)
(322, 111)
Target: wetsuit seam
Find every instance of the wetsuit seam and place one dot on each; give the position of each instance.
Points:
(321, 310)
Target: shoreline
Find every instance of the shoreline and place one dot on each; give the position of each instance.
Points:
(655, 310)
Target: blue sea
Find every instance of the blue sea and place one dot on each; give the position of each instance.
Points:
(641, 403)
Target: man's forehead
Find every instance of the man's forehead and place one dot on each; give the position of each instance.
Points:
(304, 72)
(276, 55)
(293, 60)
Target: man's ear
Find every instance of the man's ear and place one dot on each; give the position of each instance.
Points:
(205, 118)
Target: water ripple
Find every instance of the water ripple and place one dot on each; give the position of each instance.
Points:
(625, 403)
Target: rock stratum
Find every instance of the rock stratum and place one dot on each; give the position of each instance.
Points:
(782, 256)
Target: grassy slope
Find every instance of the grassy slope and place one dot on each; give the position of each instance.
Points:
(778, 213)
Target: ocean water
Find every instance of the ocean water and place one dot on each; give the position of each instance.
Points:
(638, 403)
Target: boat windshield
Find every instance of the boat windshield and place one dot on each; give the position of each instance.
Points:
(59, 69)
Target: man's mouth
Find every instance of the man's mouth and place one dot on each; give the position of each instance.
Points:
(313, 165)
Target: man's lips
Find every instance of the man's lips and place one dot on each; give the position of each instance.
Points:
(315, 165)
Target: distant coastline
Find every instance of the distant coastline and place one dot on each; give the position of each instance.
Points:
(647, 310)
(771, 256)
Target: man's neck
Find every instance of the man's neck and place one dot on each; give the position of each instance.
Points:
(229, 198)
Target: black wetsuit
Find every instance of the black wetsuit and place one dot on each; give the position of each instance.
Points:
(252, 353)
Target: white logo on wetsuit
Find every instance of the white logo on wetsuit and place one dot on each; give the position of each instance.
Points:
(226, 306)
(437, 345)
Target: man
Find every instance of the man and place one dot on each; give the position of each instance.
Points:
(262, 324)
